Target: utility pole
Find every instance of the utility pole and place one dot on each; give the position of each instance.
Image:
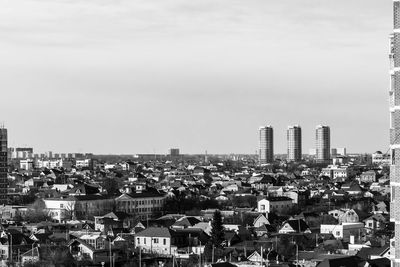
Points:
(140, 257)
(212, 254)
(261, 256)
(110, 252)
(200, 255)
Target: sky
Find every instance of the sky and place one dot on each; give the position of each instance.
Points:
(142, 76)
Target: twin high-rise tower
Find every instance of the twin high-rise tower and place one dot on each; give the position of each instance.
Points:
(266, 152)
(294, 151)
(323, 143)
(294, 144)
(3, 165)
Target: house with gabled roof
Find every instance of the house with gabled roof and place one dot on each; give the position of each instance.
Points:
(260, 220)
(294, 226)
(185, 222)
(81, 250)
(375, 222)
(264, 230)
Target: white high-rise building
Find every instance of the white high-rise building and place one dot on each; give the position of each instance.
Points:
(394, 100)
(323, 143)
(294, 143)
(3, 165)
(266, 150)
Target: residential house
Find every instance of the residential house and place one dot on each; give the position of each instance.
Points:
(375, 222)
(81, 250)
(157, 240)
(113, 220)
(260, 220)
(344, 215)
(294, 226)
(342, 231)
(279, 205)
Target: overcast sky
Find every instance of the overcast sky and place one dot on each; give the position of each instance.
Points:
(138, 76)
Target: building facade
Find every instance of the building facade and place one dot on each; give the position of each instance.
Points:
(394, 100)
(266, 150)
(142, 204)
(394, 93)
(294, 152)
(323, 143)
(3, 165)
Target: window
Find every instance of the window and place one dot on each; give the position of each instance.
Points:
(337, 233)
(155, 240)
(262, 207)
(144, 240)
(393, 156)
(138, 241)
(165, 241)
(61, 206)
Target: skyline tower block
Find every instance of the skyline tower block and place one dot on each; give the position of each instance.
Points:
(394, 102)
(3, 165)
(294, 152)
(323, 143)
(266, 149)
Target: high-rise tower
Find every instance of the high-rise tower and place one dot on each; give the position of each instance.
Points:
(394, 100)
(294, 143)
(3, 165)
(266, 150)
(322, 143)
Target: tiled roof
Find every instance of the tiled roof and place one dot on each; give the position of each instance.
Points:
(155, 232)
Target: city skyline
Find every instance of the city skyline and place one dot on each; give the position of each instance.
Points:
(178, 74)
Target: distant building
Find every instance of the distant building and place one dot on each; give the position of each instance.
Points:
(342, 231)
(79, 206)
(334, 152)
(266, 142)
(341, 151)
(335, 172)
(53, 163)
(368, 177)
(294, 152)
(173, 152)
(143, 204)
(323, 143)
(22, 153)
(26, 164)
(81, 163)
(49, 154)
(3, 165)
(378, 158)
(280, 205)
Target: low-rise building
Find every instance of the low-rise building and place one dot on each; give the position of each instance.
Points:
(335, 172)
(157, 240)
(141, 203)
(84, 206)
(275, 204)
(342, 231)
